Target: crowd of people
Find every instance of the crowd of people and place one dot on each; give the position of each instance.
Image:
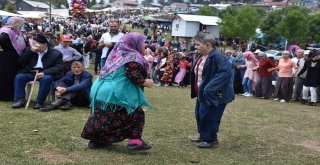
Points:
(126, 62)
(284, 80)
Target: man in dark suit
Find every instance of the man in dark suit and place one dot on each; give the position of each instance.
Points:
(47, 61)
(211, 84)
(72, 89)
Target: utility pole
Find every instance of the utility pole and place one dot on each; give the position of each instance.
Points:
(50, 12)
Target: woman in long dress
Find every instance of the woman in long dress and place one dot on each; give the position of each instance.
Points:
(11, 46)
(117, 97)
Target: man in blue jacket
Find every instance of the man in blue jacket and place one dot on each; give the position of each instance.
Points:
(72, 89)
(211, 84)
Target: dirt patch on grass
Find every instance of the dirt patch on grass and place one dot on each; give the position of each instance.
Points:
(311, 145)
(52, 157)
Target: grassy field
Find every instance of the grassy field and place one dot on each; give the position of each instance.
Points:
(253, 131)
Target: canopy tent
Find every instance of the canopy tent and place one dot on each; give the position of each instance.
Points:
(93, 11)
(32, 14)
(147, 18)
(4, 13)
(112, 9)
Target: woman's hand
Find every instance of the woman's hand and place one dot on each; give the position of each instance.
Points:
(148, 83)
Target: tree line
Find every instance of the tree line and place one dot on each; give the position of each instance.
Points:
(297, 24)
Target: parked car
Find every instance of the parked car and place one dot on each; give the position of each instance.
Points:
(276, 54)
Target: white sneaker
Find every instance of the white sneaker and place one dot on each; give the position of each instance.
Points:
(276, 99)
(244, 94)
(282, 101)
(248, 95)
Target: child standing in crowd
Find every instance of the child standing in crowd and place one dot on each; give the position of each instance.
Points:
(183, 64)
(168, 72)
(161, 67)
(156, 62)
(149, 58)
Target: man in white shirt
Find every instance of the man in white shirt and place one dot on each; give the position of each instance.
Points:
(108, 40)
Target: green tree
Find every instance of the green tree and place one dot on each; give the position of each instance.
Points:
(3, 4)
(242, 25)
(248, 20)
(9, 7)
(268, 26)
(147, 3)
(228, 25)
(162, 2)
(92, 3)
(66, 3)
(314, 28)
(229, 10)
(208, 11)
(294, 25)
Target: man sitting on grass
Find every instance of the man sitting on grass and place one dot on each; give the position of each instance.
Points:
(72, 89)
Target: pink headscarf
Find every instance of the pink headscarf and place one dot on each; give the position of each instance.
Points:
(250, 56)
(13, 29)
(129, 49)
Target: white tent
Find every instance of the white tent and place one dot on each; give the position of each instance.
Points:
(112, 9)
(32, 14)
(91, 10)
(4, 13)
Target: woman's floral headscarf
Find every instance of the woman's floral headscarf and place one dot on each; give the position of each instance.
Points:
(128, 49)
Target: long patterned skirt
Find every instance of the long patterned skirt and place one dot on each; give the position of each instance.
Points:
(114, 126)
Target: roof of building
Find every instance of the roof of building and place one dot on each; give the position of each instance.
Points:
(205, 20)
(128, 2)
(37, 4)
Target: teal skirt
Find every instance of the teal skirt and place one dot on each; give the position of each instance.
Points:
(116, 91)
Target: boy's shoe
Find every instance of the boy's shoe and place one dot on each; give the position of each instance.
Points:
(134, 148)
(197, 140)
(276, 99)
(204, 144)
(248, 95)
(312, 104)
(66, 106)
(96, 145)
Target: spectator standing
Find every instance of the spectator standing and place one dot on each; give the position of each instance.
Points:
(11, 46)
(299, 80)
(69, 54)
(284, 85)
(108, 40)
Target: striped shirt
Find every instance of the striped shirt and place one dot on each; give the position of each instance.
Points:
(199, 69)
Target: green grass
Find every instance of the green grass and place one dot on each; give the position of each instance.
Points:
(253, 131)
